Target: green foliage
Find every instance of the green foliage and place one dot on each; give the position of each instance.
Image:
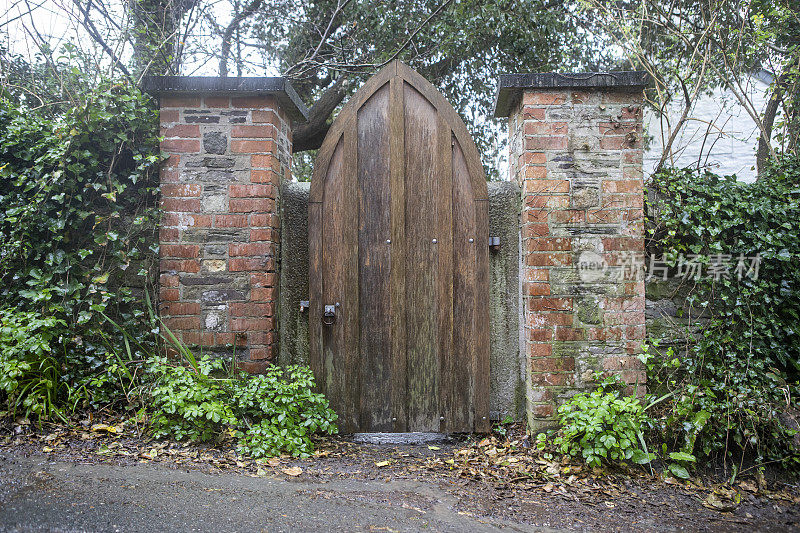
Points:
(280, 412)
(740, 373)
(77, 229)
(270, 414)
(188, 403)
(602, 427)
(30, 372)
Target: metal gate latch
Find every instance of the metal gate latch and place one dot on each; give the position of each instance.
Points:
(329, 315)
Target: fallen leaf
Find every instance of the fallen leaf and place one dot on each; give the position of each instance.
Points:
(382, 463)
(434, 448)
(292, 471)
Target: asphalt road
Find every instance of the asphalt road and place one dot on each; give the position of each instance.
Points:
(41, 495)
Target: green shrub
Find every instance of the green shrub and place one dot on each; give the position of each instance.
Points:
(269, 414)
(280, 412)
(602, 427)
(188, 402)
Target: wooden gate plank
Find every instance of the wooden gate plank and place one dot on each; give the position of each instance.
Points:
(374, 262)
(464, 301)
(422, 228)
(448, 359)
(397, 276)
(340, 285)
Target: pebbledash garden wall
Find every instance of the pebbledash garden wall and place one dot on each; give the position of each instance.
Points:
(567, 290)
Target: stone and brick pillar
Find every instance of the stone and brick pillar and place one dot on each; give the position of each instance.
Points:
(576, 151)
(229, 146)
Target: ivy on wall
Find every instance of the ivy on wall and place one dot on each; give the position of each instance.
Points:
(735, 386)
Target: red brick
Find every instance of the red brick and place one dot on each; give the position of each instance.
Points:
(546, 186)
(542, 410)
(180, 101)
(262, 294)
(180, 189)
(538, 97)
(190, 266)
(181, 145)
(165, 294)
(568, 216)
(535, 172)
(265, 176)
(191, 131)
(262, 279)
(535, 113)
(181, 205)
(621, 97)
(168, 280)
(633, 157)
(620, 142)
(253, 367)
(539, 335)
(540, 350)
(265, 116)
(549, 244)
(265, 161)
(168, 234)
(230, 221)
(604, 216)
(252, 146)
(556, 319)
(536, 230)
(253, 102)
(230, 337)
(533, 158)
(548, 259)
(260, 354)
(609, 333)
(250, 248)
(545, 128)
(240, 190)
(248, 205)
(198, 338)
(167, 116)
(217, 102)
(253, 131)
(243, 264)
(629, 186)
(633, 376)
(267, 234)
(536, 289)
(169, 175)
(546, 143)
(623, 244)
(564, 333)
(620, 200)
(186, 251)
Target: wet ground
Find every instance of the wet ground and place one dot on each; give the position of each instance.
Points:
(95, 480)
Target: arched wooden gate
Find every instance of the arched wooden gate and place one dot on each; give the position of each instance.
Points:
(398, 228)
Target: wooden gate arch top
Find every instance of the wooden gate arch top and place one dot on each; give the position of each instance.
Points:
(398, 244)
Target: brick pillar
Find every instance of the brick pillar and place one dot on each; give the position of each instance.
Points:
(576, 151)
(229, 145)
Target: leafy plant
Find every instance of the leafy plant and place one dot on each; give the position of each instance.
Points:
(30, 373)
(279, 412)
(601, 427)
